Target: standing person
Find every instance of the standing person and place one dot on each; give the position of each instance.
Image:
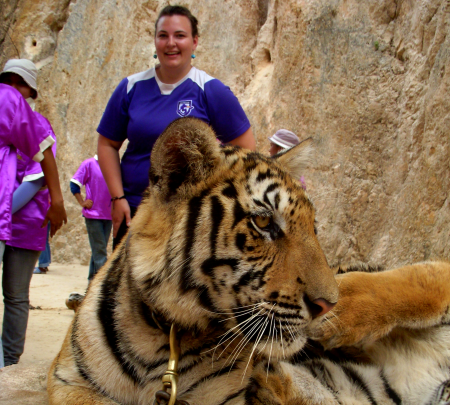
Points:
(20, 128)
(96, 210)
(283, 140)
(24, 233)
(144, 104)
(97, 215)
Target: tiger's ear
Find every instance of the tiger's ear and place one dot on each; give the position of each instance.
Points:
(297, 159)
(185, 153)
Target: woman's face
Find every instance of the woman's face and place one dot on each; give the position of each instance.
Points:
(174, 42)
(16, 81)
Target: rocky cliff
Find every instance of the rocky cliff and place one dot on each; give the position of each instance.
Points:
(369, 81)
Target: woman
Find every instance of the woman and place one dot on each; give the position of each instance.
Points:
(144, 104)
(30, 204)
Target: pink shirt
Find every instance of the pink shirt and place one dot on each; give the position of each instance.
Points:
(26, 222)
(19, 129)
(90, 175)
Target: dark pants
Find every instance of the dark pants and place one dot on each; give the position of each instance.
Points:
(123, 229)
(18, 266)
(98, 231)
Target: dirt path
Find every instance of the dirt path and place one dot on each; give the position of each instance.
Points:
(25, 383)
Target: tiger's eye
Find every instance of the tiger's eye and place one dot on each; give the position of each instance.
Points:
(262, 222)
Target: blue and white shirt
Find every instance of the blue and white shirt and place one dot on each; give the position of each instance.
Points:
(142, 107)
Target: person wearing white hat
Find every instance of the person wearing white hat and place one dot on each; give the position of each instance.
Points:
(26, 137)
(282, 140)
(21, 74)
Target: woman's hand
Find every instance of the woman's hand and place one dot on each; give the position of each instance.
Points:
(120, 210)
(87, 204)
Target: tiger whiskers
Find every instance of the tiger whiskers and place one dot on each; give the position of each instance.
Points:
(271, 347)
(238, 349)
(231, 333)
(239, 309)
(254, 347)
(247, 323)
(330, 318)
(282, 343)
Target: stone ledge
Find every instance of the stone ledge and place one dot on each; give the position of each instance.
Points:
(24, 385)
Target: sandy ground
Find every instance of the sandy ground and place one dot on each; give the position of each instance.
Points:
(25, 383)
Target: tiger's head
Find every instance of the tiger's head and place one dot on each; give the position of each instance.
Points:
(226, 236)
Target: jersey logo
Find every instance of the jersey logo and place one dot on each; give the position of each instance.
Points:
(184, 108)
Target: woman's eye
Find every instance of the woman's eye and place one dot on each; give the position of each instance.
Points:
(262, 222)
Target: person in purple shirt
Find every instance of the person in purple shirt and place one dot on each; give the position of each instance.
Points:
(144, 104)
(97, 215)
(20, 129)
(28, 239)
(96, 210)
(25, 138)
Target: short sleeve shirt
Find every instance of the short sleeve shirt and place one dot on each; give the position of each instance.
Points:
(90, 176)
(27, 231)
(142, 107)
(19, 129)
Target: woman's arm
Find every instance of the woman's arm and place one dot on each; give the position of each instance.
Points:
(56, 214)
(246, 140)
(109, 161)
(25, 192)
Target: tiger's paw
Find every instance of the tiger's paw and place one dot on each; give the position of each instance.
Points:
(371, 305)
(358, 318)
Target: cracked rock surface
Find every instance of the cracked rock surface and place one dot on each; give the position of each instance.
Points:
(369, 81)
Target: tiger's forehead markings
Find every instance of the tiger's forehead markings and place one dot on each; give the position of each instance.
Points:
(230, 190)
(268, 191)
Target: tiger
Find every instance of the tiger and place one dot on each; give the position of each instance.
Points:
(224, 248)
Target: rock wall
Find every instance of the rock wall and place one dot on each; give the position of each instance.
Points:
(369, 81)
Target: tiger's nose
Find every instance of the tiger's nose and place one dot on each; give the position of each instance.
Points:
(319, 306)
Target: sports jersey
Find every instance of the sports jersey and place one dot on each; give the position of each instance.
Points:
(19, 128)
(142, 107)
(90, 176)
(26, 222)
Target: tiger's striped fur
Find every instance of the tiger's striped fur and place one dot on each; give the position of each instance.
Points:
(224, 246)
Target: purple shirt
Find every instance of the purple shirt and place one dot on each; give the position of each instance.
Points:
(142, 107)
(19, 129)
(90, 176)
(27, 231)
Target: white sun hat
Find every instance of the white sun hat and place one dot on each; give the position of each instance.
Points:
(284, 138)
(25, 69)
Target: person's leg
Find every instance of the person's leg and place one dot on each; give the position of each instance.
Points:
(46, 256)
(2, 250)
(98, 245)
(18, 265)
